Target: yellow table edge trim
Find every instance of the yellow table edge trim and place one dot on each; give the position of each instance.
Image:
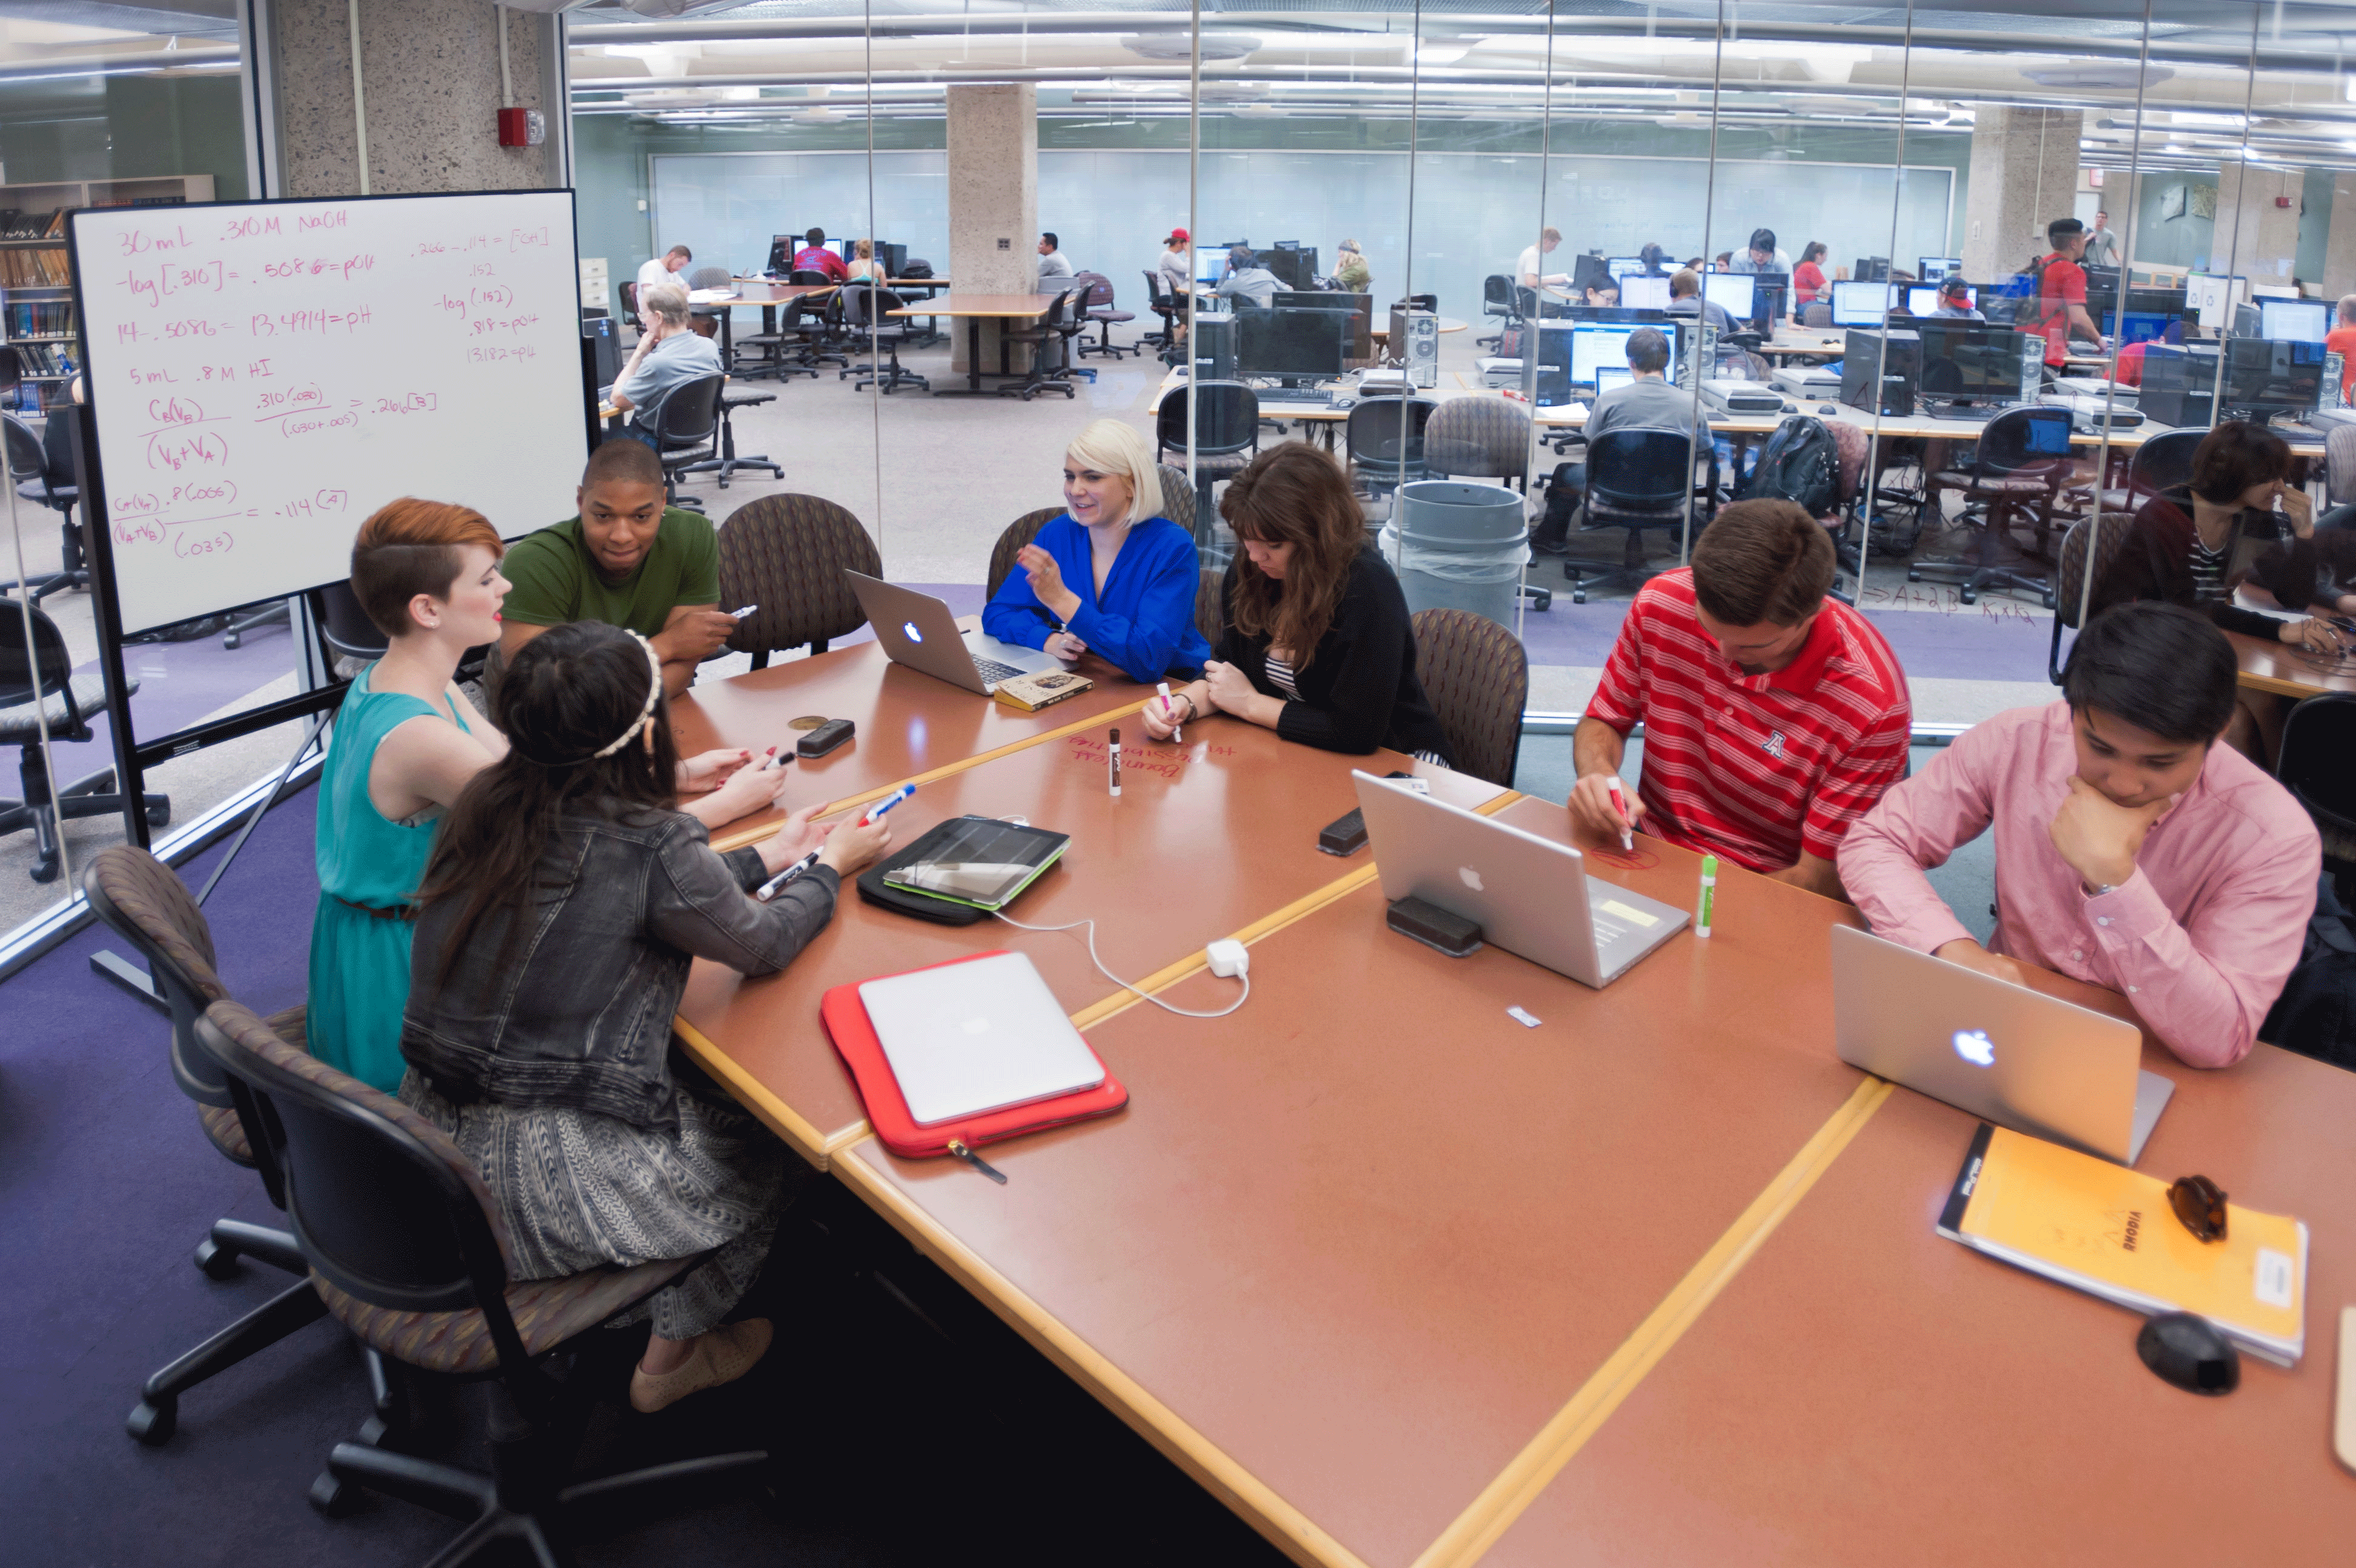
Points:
(742, 836)
(2276, 685)
(1518, 1484)
(1267, 924)
(750, 1092)
(1218, 1473)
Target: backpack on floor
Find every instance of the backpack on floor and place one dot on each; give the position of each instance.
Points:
(1800, 464)
(2316, 1014)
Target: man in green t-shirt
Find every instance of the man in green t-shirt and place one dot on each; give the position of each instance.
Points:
(627, 560)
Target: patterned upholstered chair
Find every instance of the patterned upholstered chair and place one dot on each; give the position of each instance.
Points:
(1478, 678)
(2340, 466)
(1850, 446)
(1817, 313)
(1484, 437)
(1178, 500)
(1210, 609)
(2073, 573)
(407, 1249)
(787, 555)
(1019, 533)
(143, 902)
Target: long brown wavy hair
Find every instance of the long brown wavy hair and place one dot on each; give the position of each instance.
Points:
(1293, 494)
(568, 692)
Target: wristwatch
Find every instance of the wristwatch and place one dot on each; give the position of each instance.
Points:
(2094, 890)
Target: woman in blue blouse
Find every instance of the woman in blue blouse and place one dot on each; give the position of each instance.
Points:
(1111, 576)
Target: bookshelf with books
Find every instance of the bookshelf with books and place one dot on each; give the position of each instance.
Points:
(37, 312)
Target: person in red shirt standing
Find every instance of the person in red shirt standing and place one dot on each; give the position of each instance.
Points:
(2062, 293)
(1774, 716)
(2341, 341)
(814, 257)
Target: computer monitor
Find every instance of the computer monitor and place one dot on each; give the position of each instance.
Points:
(1644, 293)
(2294, 321)
(1968, 362)
(2123, 328)
(1606, 378)
(1210, 263)
(1860, 304)
(1923, 301)
(2246, 321)
(599, 330)
(1358, 307)
(2210, 298)
(1731, 291)
(1597, 347)
(781, 253)
(2155, 301)
(1293, 343)
(2265, 377)
(1934, 269)
(1621, 266)
(1771, 293)
(1295, 268)
(1870, 269)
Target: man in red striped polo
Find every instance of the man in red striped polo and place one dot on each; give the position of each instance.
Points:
(1774, 715)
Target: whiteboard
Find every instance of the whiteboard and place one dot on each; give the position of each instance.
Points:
(263, 375)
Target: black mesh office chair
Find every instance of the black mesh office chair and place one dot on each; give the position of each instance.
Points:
(2023, 460)
(38, 687)
(1497, 301)
(1636, 480)
(1051, 368)
(686, 427)
(867, 311)
(1164, 304)
(41, 467)
(1226, 439)
(802, 340)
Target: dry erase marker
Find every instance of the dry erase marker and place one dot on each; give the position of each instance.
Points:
(1619, 804)
(1708, 894)
(748, 609)
(769, 889)
(1116, 765)
(1177, 732)
(886, 803)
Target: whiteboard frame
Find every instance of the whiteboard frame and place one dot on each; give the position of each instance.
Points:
(134, 757)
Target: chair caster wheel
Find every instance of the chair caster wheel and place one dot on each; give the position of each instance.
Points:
(332, 1494)
(2048, 598)
(214, 1261)
(47, 871)
(1970, 595)
(159, 816)
(154, 1422)
(1912, 575)
(1578, 595)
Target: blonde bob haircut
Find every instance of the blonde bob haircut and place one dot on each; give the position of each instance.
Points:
(1110, 447)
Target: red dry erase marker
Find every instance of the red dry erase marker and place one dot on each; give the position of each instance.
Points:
(1619, 804)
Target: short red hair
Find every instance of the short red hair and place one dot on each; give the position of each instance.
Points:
(411, 547)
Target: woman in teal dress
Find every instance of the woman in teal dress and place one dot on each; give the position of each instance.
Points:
(405, 743)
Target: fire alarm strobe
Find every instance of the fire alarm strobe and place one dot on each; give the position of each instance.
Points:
(523, 127)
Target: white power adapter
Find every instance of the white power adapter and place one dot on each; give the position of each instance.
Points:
(1229, 958)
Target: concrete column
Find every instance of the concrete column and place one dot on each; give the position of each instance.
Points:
(2340, 240)
(2024, 175)
(993, 202)
(430, 87)
(2255, 238)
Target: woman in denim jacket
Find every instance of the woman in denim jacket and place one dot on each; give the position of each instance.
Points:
(564, 900)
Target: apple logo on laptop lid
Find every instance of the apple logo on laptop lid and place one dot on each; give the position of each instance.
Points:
(1975, 1048)
(908, 630)
(1471, 878)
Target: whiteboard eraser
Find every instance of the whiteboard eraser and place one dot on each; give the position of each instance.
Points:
(1229, 958)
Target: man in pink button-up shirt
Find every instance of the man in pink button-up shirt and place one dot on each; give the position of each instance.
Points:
(2131, 850)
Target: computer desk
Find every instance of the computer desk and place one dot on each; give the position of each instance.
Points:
(2289, 671)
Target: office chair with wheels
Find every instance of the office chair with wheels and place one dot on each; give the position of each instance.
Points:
(686, 427)
(1477, 675)
(1497, 302)
(1227, 439)
(1817, 313)
(630, 304)
(1019, 533)
(1484, 437)
(1383, 440)
(867, 313)
(140, 899)
(1177, 496)
(2318, 738)
(408, 1250)
(808, 277)
(787, 555)
(42, 470)
(2074, 569)
(802, 343)
(733, 396)
(2339, 466)
(2163, 463)
(1048, 331)
(36, 685)
(1164, 304)
(346, 628)
(2022, 463)
(1099, 310)
(1636, 480)
(705, 319)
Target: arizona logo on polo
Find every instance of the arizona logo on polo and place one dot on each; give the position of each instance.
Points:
(1774, 744)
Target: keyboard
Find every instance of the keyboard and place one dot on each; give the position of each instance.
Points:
(994, 671)
(1303, 400)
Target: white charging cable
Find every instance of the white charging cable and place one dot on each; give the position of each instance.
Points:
(1228, 957)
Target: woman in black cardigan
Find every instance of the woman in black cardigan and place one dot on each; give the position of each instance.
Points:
(1316, 644)
(2236, 523)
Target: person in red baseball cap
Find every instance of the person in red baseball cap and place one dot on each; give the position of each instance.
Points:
(1178, 273)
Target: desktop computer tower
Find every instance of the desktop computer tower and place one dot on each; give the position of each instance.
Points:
(2180, 386)
(1214, 348)
(1415, 344)
(1294, 267)
(1882, 379)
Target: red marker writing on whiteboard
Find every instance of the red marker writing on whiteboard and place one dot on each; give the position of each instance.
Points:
(1619, 804)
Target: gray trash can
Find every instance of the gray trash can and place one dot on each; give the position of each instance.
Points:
(1459, 546)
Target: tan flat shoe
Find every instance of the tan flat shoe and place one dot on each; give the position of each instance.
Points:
(722, 1355)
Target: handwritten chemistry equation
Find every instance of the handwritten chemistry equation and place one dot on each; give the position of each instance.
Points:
(232, 408)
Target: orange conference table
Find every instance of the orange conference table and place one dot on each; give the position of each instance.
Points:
(2290, 671)
(975, 309)
(1205, 839)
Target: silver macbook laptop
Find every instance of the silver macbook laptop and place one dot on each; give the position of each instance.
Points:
(976, 1037)
(918, 630)
(2004, 1053)
(1531, 896)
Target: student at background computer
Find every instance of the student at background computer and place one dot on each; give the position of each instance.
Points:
(1052, 261)
(663, 269)
(1955, 302)
(1177, 270)
(1246, 279)
(669, 354)
(1809, 283)
(1530, 272)
(2131, 850)
(814, 257)
(863, 264)
(1648, 402)
(1686, 299)
(1351, 273)
(2181, 548)
(1763, 256)
(1774, 715)
(565, 900)
(1316, 642)
(1112, 576)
